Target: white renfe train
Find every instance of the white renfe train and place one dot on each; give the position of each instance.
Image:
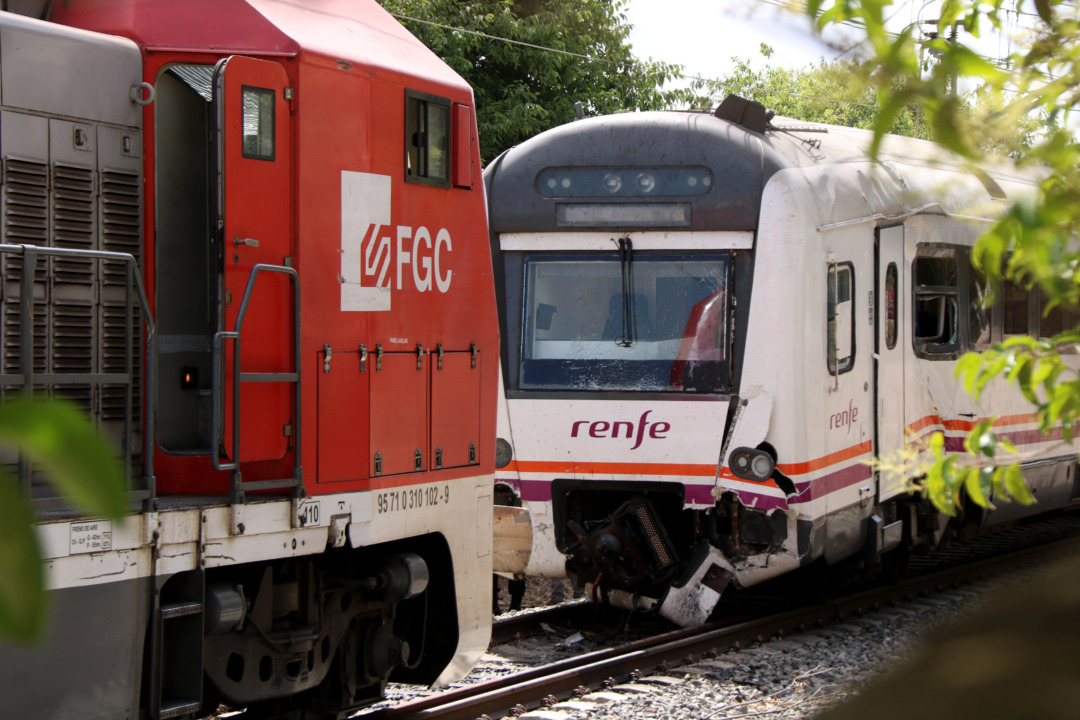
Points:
(712, 322)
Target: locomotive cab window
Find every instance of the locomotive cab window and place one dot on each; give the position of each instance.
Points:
(258, 115)
(427, 139)
(653, 323)
(841, 326)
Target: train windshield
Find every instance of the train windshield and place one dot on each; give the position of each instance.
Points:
(651, 323)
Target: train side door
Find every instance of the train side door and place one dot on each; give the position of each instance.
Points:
(254, 225)
(890, 295)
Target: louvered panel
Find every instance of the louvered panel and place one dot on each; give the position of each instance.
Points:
(72, 346)
(26, 211)
(113, 360)
(73, 225)
(12, 357)
(119, 220)
(72, 338)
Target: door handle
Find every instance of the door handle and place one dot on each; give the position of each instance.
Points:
(250, 242)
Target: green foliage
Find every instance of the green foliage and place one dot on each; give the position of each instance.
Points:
(61, 440)
(522, 89)
(946, 478)
(1020, 107)
(836, 93)
(846, 92)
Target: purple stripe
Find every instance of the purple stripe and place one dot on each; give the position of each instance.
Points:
(535, 490)
(701, 494)
(832, 482)
(955, 444)
(749, 498)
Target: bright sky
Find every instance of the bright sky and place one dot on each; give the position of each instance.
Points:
(703, 35)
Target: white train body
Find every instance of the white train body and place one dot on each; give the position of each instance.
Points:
(733, 242)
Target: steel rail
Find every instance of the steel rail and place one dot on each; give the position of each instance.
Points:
(501, 696)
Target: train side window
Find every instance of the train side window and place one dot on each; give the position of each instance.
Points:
(258, 117)
(427, 139)
(1058, 320)
(841, 326)
(979, 310)
(1014, 308)
(890, 306)
(937, 295)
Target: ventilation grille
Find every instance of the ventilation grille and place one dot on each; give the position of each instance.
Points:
(657, 543)
(119, 221)
(73, 224)
(26, 211)
(80, 313)
(119, 233)
(12, 354)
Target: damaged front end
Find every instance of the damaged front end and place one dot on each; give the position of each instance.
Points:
(651, 554)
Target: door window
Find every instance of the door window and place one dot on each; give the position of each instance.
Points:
(841, 325)
(890, 306)
(258, 119)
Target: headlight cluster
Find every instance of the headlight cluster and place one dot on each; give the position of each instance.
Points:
(751, 464)
(598, 182)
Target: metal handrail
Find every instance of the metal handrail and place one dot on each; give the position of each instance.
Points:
(26, 378)
(218, 395)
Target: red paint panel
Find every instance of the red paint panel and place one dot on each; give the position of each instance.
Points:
(399, 413)
(343, 419)
(462, 154)
(455, 409)
(258, 229)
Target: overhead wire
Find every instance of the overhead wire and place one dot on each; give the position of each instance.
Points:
(677, 73)
(502, 39)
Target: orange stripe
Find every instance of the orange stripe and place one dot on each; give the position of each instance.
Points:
(597, 468)
(542, 466)
(966, 425)
(830, 459)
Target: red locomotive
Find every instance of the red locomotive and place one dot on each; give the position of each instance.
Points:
(249, 238)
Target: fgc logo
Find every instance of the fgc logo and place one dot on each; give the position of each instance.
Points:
(375, 256)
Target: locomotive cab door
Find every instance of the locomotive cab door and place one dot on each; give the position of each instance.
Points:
(253, 144)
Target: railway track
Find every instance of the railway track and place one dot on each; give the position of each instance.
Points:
(649, 659)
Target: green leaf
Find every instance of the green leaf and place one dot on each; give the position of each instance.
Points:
(1018, 489)
(987, 441)
(24, 604)
(937, 444)
(1043, 8)
(76, 458)
(937, 490)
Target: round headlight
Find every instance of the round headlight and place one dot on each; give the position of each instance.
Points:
(612, 183)
(646, 183)
(503, 453)
(762, 466)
